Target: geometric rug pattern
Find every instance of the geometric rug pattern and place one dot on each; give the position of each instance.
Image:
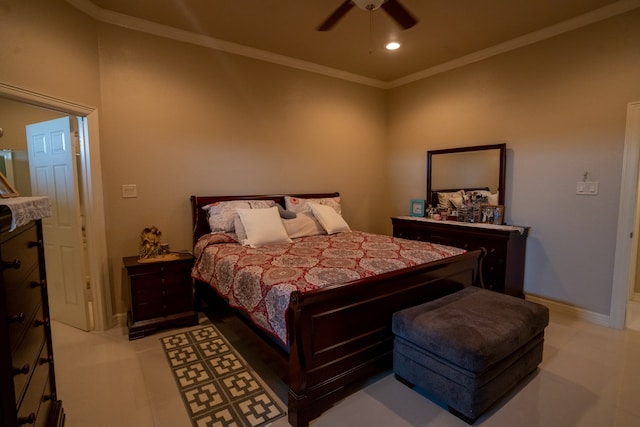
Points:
(218, 387)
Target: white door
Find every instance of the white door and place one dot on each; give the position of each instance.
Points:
(52, 163)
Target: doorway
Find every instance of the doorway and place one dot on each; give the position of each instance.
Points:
(627, 251)
(92, 193)
(53, 152)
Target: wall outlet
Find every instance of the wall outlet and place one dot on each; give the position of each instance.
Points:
(129, 191)
(587, 188)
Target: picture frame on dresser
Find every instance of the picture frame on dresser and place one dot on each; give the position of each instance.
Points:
(6, 189)
(492, 214)
(416, 207)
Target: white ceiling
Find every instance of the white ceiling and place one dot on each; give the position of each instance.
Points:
(449, 32)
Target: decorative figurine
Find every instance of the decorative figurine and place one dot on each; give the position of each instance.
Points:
(150, 242)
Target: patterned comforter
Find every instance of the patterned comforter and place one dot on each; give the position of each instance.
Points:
(259, 281)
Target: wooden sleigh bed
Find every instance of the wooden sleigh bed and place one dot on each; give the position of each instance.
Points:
(340, 336)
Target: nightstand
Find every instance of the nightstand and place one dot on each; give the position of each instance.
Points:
(161, 294)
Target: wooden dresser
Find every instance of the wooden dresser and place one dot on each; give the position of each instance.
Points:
(503, 265)
(161, 294)
(28, 386)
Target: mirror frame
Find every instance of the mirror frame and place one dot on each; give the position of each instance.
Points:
(501, 173)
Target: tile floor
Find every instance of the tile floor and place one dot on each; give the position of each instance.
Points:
(590, 376)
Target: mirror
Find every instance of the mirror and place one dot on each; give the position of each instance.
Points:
(468, 168)
(14, 159)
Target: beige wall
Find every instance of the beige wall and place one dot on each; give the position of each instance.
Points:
(178, 120)
(49, 47)
(560, 105)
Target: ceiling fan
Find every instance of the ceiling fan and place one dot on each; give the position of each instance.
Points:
(392, 7)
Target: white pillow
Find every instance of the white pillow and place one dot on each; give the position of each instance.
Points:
(262, 226)
(221, 215)
(331, 221)
(305, 224)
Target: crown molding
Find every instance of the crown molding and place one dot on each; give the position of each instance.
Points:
(137, 24)
(589, 18)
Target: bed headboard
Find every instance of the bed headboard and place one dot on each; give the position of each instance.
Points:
(199, 215)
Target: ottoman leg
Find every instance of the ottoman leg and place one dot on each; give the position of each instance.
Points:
(463, 417)
(404, 381)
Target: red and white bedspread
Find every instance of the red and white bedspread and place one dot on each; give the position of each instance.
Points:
(260, 280)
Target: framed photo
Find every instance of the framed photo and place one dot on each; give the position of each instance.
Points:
(493, 214)
(6, 189)
(417, 207)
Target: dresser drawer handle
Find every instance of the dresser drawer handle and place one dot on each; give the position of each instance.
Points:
(24, 370)
(33, 244)
(11, 264)
(41, 284)
(27, 420)
(17, 318)
(40, 322)
(48, 359)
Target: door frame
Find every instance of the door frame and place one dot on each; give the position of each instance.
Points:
(627, 234)
(91, 170)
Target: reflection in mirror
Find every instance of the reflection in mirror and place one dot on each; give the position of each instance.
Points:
(14, 159)
(467, 168)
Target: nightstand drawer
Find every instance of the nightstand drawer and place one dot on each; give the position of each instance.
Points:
(161, 294)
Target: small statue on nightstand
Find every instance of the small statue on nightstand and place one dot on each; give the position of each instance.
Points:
(150, 242)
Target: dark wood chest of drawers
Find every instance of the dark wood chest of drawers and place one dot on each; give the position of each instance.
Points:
(502, 266)
(28, 387)
(161, 294)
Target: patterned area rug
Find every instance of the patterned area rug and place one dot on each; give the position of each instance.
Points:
(218, 387)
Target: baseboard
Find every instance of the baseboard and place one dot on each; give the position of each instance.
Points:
(572, 311)
(119, 319)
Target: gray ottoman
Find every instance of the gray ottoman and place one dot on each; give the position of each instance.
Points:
(469, 348)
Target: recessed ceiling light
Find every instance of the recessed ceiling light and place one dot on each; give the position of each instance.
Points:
(392, 45)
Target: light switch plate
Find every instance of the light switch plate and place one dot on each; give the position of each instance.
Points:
(129, 190)
(587, 188)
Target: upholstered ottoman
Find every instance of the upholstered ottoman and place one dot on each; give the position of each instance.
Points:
(469, 348)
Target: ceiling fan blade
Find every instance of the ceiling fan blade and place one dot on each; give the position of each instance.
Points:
(399, 14)
(336, 16)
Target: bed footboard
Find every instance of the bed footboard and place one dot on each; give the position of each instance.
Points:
(341, 336)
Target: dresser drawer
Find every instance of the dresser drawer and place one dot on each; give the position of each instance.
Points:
(26, 355)
(36, 403)
(20, 255)
(23, 299)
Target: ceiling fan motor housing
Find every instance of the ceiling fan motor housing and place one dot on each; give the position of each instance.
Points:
(368, 4)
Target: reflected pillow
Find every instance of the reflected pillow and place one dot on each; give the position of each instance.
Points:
(262, 226)
(331, 221)
(444, 198)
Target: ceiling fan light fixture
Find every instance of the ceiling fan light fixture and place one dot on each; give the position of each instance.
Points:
(392, 46)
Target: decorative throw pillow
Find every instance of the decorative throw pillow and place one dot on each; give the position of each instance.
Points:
(297, 205)
(221, 215)
(305, 224)
(331, 221)
(262, 226)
